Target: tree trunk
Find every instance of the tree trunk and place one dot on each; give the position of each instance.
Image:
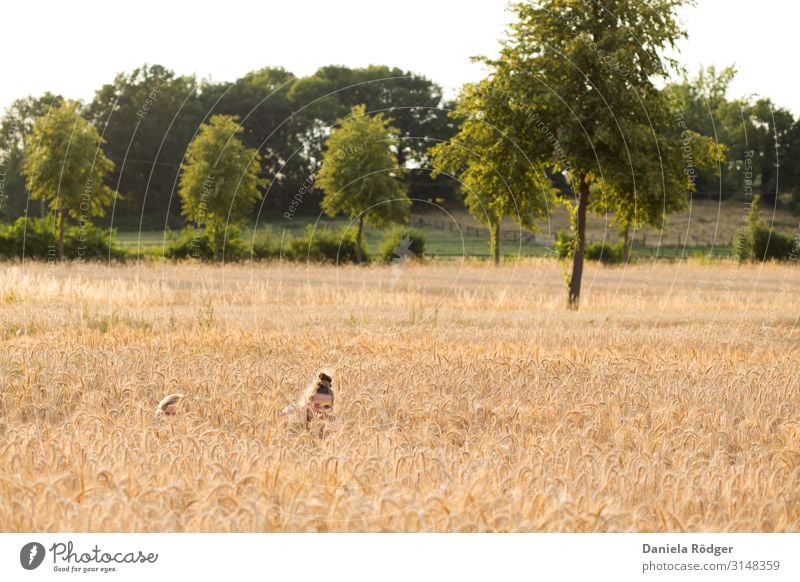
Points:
(216, 244)
(61, 235)
(580, 246)
(626, 251)
(359, 257)
(495, 231)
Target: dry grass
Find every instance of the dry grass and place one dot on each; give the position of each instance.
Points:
(469, 398)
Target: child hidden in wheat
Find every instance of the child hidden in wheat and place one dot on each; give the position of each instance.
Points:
(168, 407)
(316, 403)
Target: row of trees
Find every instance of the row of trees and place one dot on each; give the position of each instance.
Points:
(148, 118)
(753, 131)
(64, 165)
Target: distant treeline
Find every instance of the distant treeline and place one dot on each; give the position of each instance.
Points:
(149, 116)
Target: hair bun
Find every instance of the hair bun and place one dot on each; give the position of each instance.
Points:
(324, 377)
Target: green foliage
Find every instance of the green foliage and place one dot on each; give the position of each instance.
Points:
(744, 243)
(564, 244)
(498, 178)
(87, 241)
(265, 245)
(284, 117)
(219, 178)
(16, 128)
(401, 243)
(360, 174)
(414, 100)
(198, 244)
(37, 239)
(322, 245)
(605, 252)
(148, 117)
(755, 134)
(326, 245)
(261, 100)
(583, 99)
(759, 242)
(28, 238)
(771, 244)
(65, 166)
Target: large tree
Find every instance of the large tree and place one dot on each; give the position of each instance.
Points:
(770, 140)
(64, 165)
(360, 173)
(579, 77)
(148, 117)
(497, 178)
(219, 178)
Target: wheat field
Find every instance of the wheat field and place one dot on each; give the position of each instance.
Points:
(468, 398)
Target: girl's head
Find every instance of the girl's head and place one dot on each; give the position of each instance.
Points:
(319, 397)
(169, 405)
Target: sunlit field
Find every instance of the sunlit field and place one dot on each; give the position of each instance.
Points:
(468, 398)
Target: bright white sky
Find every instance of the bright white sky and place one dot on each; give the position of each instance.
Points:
(74, 47)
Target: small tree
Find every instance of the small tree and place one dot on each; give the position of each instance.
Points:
(219, 178)
(359, 174)
(65, 166)
(497, 178)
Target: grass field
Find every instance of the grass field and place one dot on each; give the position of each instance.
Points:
(707, 227)
(439, 243)
(468, 398)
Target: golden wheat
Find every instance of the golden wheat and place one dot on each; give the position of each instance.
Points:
(468, 398)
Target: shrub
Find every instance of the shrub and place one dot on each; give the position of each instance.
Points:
(325, 245)
(759, 242)
(402, 242)
(774, 245)
(38, 239)
(265, 245)
(605, 252)
(34, 236)
(91, 242)
(198, 244)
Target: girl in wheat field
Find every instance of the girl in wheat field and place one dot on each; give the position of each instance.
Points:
(168, 407)
(315, 405)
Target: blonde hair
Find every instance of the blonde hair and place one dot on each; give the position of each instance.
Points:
(168, 401)
(322, 385)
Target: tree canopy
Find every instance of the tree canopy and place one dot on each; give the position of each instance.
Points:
(579, 80)
(148, 118)
(65, 166)
(360, 172)
(220, 178)
(497, 177)
(16, 128)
